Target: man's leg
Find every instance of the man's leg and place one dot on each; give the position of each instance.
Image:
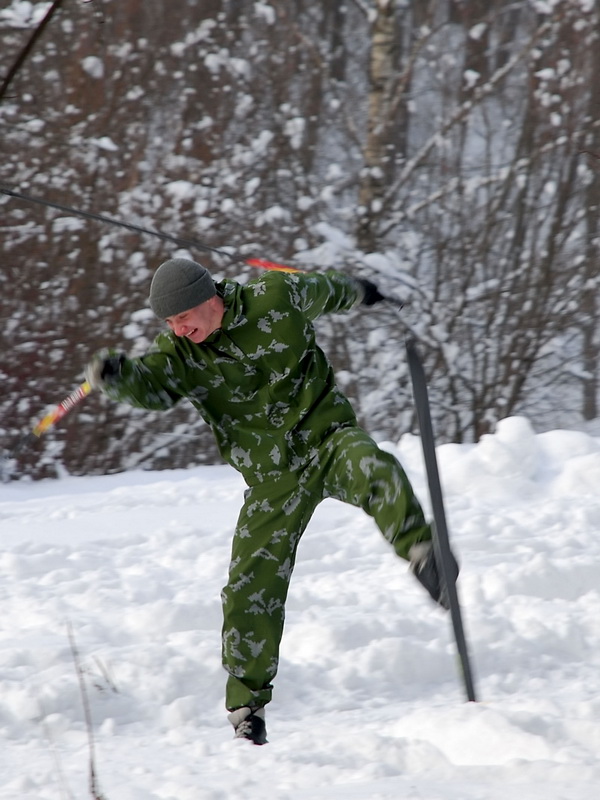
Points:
(357, 471)
(271, 522)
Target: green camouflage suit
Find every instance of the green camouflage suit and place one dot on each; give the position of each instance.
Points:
(268, 392)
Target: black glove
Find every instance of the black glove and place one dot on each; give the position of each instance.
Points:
(371, 293)
(104, 368)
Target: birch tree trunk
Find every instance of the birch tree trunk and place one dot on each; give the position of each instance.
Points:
(590, 322)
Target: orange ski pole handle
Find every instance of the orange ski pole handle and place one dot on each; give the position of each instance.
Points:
(62, 408)
(262, 263)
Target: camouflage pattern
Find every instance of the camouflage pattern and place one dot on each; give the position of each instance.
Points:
(349, 467)
(261, 382)
(269, 394)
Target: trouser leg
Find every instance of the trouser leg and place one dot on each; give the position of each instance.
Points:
(357, 471)
(350, 467)
(263, 554)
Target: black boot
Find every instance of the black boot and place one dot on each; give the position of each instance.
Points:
(249, 724)
(424, 567)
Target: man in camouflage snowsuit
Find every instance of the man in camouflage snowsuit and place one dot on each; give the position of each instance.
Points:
(246, 357)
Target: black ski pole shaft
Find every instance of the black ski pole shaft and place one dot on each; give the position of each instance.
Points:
(167, 237)
(180, 241)
(184, 242)
(441, 539)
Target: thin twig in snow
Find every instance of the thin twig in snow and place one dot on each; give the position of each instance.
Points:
(94, 790)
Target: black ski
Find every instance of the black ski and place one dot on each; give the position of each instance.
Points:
(441, 540)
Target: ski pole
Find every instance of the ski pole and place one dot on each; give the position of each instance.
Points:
(187, 243)
(46, 422)
(66, 405)
(180, 241)
(439, 526)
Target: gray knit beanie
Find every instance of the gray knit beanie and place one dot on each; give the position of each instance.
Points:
(178, 285)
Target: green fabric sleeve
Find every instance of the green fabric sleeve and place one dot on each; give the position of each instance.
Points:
(327, 292)
(149, 382)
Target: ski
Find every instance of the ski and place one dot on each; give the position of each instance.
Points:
(441, 540)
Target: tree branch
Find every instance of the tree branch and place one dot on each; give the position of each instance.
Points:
(28, 48)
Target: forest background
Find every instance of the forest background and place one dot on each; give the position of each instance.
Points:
(448, 150)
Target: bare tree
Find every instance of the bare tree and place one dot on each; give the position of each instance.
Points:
(443, 143)
(396, 42)
(590, 311)
(499, 224)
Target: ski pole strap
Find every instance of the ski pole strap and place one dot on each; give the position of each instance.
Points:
(62, 408)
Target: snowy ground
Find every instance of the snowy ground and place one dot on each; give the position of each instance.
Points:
(369, 702)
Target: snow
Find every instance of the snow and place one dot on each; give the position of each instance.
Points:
(265, 11)
(477, 31)
(105, 143)
(181, 190)
(471, 77)
(294, 129)
(60, 224)
(368, 702)
(24, 14)
(93, 66)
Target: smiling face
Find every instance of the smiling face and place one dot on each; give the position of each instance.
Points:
(199, 322)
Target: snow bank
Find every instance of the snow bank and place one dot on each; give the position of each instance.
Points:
(368, 701)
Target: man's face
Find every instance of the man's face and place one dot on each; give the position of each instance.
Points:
(199, 322)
